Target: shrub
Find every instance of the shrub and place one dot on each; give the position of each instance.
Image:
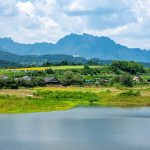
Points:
(126, 80)
(131, 93)
(72, 79)
(49, 71)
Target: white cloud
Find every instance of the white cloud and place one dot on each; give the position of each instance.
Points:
(75, 6)
(126, 21)
(26, 8)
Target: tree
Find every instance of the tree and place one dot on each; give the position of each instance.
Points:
(78, 79)
(126, 80)
(64, 63)
(49, 71)
(87, 70)
(126, 66)
(92, 62)
(68, 78)
(72, 79)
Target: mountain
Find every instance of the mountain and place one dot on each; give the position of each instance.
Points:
(6, 56)
(25, 49)
(38, 60)
(87, 46)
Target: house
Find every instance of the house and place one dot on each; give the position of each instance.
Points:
(3, 77)
(137, 78)
(51, 80)
(27, 78)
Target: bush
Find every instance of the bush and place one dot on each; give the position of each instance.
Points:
(72, 79)
(49, 71)
(126, 80)
(131, 93)
(13, 86)
(2, 83)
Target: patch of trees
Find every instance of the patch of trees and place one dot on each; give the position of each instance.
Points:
(90, 71)
(126, 66)
(15, 84)
(62, 63)
(72, 79)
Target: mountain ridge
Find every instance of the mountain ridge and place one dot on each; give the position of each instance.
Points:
(85, 45)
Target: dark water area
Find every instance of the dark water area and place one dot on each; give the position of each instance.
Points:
(82, 128)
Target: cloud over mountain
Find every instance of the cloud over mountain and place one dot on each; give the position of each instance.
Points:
(126, 21)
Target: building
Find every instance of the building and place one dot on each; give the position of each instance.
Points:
(3, 77)
(137, 79)
(26, 78)
(51, 80)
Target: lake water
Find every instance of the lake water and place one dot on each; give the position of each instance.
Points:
(82, 128)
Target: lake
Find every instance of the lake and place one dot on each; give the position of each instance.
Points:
(82, 128)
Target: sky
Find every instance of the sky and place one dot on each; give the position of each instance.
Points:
(28, 21)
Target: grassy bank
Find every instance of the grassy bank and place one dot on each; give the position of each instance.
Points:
(63, 98)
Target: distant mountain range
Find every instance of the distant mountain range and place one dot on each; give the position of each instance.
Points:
(86, 46)
(12, 60)
(38, 60)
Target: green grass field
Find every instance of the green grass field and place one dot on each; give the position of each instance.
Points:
(56, 68)
(63, 98)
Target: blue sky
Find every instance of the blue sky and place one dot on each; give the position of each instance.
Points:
(29, 21)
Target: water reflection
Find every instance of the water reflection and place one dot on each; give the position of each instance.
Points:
(82, 128)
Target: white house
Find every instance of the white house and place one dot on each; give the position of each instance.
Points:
(137, 78)
(26, 78)
(3, 77)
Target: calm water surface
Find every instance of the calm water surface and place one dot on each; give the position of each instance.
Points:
(82, 128)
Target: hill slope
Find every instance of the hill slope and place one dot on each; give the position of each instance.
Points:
(38, 60)
(85, 45)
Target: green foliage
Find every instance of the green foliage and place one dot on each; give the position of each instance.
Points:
(126, 66)
(35, 73)
(33, 83)
(10, 83)
(67, 96)
(49, 71)
(116, 79)
(15, 84)
(92, 62)
(131, 93)
(72, 79)
(126, 80)
(90, 71)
